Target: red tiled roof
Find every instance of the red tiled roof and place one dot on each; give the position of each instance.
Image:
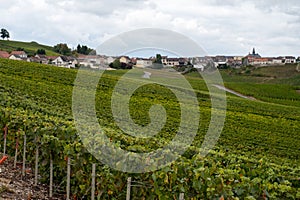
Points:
(4, 54)
(17, 53)
(52, 57)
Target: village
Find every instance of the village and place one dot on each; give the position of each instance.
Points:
(104, 62)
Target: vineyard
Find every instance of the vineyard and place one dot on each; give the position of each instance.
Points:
(257, 155)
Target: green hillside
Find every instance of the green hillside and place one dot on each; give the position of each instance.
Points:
(29, 47)
(257, 155)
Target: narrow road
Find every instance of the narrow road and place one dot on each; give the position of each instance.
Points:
(234, 92)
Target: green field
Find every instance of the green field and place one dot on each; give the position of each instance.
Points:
(257, 155)
(29, 47)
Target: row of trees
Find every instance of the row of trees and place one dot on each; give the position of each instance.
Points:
(65, 50)
(4, 34)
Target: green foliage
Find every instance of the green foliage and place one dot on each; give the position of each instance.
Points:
(257, 156)
(116, 64)
(41, 52)
(4, 34)
(84, 50)
(158, 59)
(119, 65)
(62, 49)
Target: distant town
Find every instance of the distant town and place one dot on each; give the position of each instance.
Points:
(125, 62)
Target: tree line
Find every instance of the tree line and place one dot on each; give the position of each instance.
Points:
(63, 49)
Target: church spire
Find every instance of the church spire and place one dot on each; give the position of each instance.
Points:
(253, 52)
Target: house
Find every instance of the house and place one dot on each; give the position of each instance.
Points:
(125, 59)
(170, 62)
(108, 60)
(21, 54)
(237, 62)
(92, 61)
(260, 61)
(142, 62)
(220, 61)
(164, 60)
(34, 59)
(43, 59)
(65, 61)
(289, 59)
(250, 58)
(16, 57)
(4, 54)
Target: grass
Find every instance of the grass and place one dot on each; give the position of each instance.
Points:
(273, 84)
(29, 47)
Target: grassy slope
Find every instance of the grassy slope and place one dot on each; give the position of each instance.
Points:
(251, 127)
(29, 47)
(274, 84)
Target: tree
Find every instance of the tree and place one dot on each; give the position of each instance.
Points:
(62, 49)
(84, 50)
(20, 49)
(41, 52)
(4, 34)
(116, 64)
(158, 59)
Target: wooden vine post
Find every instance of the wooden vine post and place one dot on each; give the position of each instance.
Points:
(128, 188)
(51, 177)
(5, 135)
(24, 155)
(36, 169)
(68, 178)
(181, 196)
(93, 181)
(17, 148)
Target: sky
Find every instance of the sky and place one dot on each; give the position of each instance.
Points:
(220, 27)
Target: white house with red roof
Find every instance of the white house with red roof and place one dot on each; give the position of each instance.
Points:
(21, 54)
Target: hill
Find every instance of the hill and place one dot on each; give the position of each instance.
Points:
(257, 155)
(29, 47)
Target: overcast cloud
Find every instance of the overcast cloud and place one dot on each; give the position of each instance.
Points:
(230, 27)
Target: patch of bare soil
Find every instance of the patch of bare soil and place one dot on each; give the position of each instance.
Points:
(13, 186)
(298, 91)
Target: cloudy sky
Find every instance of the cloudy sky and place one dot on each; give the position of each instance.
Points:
(231, 27)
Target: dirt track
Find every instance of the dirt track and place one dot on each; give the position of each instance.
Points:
(13, 186)
(234, 92)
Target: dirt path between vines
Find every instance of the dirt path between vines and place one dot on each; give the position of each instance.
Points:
(13, 186)
(234, 92)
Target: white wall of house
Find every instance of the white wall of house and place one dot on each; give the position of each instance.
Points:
(124, 60)
(290, 60)
(13, 57)
(277, 61)
(109, 60)
(143, 63)
(58, 62)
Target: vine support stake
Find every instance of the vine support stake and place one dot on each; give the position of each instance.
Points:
(16, 152)
(128, 188)
(24, 156)
(93, 181)
(181, 196)
(36, 165)
(51, 178)
(5, 134)
(68, 178)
